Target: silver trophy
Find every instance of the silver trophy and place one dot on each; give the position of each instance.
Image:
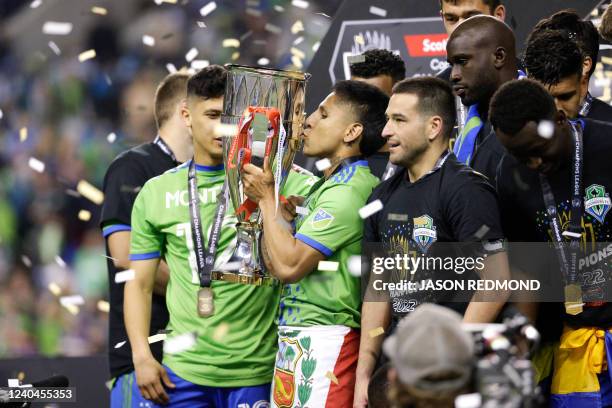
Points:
(267, 108)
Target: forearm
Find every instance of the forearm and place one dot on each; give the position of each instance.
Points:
(374, 315)
(161, 279)
(485, 305)
(137, 316)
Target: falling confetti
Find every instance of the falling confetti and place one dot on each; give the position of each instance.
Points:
(34, 5)
(125, 276)
(263, 61)
(120, 344)
(36, 165)
(376, 332)
(316, 46)
(377, 11)
(231, 42)
(99, 10)
(323, 164)
(482, 231)
(157, 337)
(56, 28)
(1, 114)
(370, 209)
(191, 54)
(90, 192)
(208, 8)
(75, 300)
(171, 68)
(354, 265)
(324, 15)
(356, 59)
(298, 53)
(26, 261)
(295, 60)
(254, 12)
(23, 134)
(297, 27)
(328, 266)
(111, 137)
(331, 377)
(301, 210)
(180, 343)
(278, 8)
(60, 261)
(55, 289)
(300, 4)
(546, 129)
(84, 215)
(199, 64)
(298, 40)
(201, 24)
(55, 48)
(72, 193)
(273, 29)
(235, 56)
(221, 331)
(103, 306)
(148, 40)
(359, 39)
(87, 55)
(225, 130)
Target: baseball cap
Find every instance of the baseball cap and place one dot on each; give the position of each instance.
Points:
(428, 342)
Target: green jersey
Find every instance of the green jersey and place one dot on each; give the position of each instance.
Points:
(298, 184)
(334, 228)
(236, 346)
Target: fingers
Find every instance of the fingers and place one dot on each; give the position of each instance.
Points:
(250, 168)
(161, 397)
(166, 379)
(296, 200)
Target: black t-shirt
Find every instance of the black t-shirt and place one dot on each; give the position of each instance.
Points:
(600, 111)
(453, 201)
(488, 153)
(524, 214)
(378, 163)
(124, 179)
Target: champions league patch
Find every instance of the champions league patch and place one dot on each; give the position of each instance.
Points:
(424, 232)
(321, 219)
(597, 202)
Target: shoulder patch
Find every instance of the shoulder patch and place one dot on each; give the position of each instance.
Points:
(321, 219)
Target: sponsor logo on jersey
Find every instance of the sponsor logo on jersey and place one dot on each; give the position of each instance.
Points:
(424, 232)
(597, 202)
(321, 220)
(426, 45)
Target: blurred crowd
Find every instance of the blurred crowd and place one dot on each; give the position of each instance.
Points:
(74, 117)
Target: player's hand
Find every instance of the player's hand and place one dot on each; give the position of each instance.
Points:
(258, 183)
(360, 399)
(149, 377)
(288, 208)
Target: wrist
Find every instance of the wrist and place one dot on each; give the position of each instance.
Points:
(141, 356)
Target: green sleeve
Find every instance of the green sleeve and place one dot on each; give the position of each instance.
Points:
(298, 184)
(146, 239)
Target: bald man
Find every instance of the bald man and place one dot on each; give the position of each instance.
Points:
(481, 52)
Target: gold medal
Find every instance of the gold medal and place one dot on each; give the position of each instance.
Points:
(573, 299)
(205, 302)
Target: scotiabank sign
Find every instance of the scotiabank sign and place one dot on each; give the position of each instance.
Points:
(423, 53)
(426, 45)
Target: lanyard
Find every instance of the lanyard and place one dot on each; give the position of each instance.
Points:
(574, 231)
(204, 264)
(165, 148)
(586, 105)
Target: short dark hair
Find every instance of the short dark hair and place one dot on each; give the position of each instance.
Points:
(435, 98)
(369, 104)
(583, 32)
(551, 56)
(493, 4)
(518, 102)
(379, 62)
(208, 83)
(170, 91)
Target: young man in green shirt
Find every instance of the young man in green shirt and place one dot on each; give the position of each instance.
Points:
(231, 361)
(320, 302)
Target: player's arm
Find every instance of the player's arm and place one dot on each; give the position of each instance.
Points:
(482, 308)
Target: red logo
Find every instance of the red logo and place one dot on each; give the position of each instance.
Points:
(426, 45)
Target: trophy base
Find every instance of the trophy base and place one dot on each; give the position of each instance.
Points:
(256, 280)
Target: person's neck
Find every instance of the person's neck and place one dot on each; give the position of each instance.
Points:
(425, 163)
(178, 141)
(336, 161)
(205, 159)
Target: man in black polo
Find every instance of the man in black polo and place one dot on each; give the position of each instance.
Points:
(570, 162)
(123, 180)
(432, 199)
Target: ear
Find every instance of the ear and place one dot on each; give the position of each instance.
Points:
(560, 117)
(353, 132)
(587, 64)
(500, 57)
(392, 375)
(435, 127)
(500, 12)
(534, 163)
(185, 113)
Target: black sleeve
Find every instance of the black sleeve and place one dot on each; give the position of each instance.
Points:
(472, 210)
(505, 179)
(370, 224)
(122, 182)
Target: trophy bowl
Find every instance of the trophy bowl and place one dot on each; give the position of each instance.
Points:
(266, 107)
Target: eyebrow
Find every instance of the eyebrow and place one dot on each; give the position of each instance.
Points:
(212, 111)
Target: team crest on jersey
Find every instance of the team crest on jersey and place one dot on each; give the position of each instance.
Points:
(424, 232)
(289, 354)
(321, 220)
(597, 202)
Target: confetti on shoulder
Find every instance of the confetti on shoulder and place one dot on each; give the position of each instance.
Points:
(370, 209)
(376, 332)
(328, 266)
(323, 164)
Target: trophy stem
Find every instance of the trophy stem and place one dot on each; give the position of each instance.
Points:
(246, 254)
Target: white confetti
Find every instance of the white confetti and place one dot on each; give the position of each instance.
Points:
(273, 29)
(87, 55)
(1, 114)
(278, 8)
(356, 59)
(298, 53)
(180, 343)
(99, 10)
(295, 60)
(377, 11)
(103, 306)
(157, 337)
(316, 45)
(298, 40)
(191, 54)
(201, 24)
(74, 300)
(302, 210)
(55, 48)
(328, 266)
(482, 231)
(124, 276)
(300, 4)
(359, 39)
(171, 68)
(199, 64)
(208, 8)
(84, 215)
(297, 27)
(370, 209)
(468, 400)
(60, 261)
(56, 28)
(23, 134)
(225, 130)
(235, 56)
(112, 136)
(546, 129)
(221, 331)
(323, 164)
(55, 289)
(231, 42)
(90, 192)
(36, 165)
(148, 40)
(120, 344)
(26, 261)
(263, 61)
(354, 265)
(34, 5)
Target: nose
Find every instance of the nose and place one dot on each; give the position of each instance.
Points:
(455, 75)
(308, 122)
(386, 132)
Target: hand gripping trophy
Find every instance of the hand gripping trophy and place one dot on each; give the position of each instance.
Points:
(267, 106)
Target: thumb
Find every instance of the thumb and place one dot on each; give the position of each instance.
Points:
(166, 379)
(266, 164)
